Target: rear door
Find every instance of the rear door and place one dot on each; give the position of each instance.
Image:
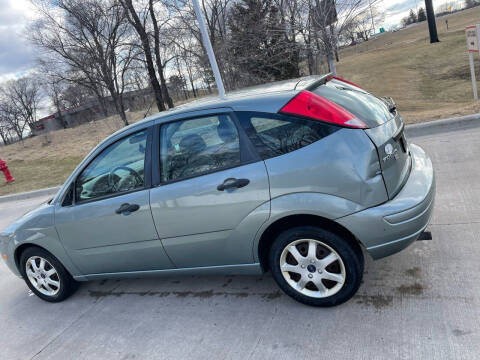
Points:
(213, 192)
(386, 128)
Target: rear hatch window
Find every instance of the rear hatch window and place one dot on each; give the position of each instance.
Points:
(373, 111)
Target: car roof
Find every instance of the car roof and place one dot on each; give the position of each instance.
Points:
(266, 98)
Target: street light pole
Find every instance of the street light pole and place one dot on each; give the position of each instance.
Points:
(209, 49)
(432, 25)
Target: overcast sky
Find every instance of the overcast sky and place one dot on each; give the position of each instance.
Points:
(17, 57)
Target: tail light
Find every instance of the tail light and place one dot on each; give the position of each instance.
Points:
(316, 107)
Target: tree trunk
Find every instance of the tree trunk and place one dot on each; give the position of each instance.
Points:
(209, 88)
(118, 103)
(4, 138)
(60, 117)
(180, 76)
(193, 86)
(101, 103)
(190, 79)
(137, 24)
(165, 89)
(160, 66)
(19, 132)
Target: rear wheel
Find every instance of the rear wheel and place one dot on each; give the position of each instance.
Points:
(316, 267)
(45, 275)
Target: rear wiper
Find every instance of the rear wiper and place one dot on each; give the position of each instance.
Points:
(392, 107)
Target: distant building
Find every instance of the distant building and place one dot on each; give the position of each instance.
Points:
(46, 124)
(91, 111)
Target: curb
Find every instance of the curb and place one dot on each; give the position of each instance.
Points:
(412, 131)
(439, 126)
(30, 194)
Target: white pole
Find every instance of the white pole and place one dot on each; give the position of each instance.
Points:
(209, 49)
(474, 79)
(371, 16)
(331, 63)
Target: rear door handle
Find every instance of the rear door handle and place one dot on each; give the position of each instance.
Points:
(231, 183)
(127, 208)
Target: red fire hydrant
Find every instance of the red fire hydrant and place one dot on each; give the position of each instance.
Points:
(6, 172)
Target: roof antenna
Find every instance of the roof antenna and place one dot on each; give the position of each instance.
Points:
(209, 49)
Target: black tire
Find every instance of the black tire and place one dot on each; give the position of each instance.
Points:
(67, 284)
(350, 253)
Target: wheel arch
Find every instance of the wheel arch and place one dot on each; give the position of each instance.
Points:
(20, 249)
(17, 254)
(274, 229)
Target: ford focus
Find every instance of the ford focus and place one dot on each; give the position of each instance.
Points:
(301, 178)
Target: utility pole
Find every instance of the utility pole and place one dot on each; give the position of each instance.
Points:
(209, 49)
(371, 16)
(432, 25)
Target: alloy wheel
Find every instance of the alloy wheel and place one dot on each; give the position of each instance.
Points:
(312, 268)
(42, 275)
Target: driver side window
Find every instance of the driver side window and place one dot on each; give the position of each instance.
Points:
(117, 169)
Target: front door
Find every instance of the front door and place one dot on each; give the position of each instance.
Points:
(108, 226)
(213, 196)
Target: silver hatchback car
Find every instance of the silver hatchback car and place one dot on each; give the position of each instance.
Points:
(298, 177)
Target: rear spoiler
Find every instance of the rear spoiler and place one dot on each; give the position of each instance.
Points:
(312, 82)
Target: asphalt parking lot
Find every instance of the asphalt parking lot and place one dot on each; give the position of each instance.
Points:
(423, 303)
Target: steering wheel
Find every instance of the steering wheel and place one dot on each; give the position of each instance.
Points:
(114, 186)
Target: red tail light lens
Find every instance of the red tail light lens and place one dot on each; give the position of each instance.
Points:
(317, 107)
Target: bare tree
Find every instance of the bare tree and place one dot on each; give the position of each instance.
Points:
(54, 88)
(362, 23)
(20, 102)
(5, 135)
(91, 39)
(140, 21)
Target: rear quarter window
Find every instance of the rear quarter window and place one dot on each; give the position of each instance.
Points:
(275, 134)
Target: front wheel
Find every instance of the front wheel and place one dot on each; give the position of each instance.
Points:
(45, 275)
(316, 267)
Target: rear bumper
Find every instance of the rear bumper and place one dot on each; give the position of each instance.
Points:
(389, 228)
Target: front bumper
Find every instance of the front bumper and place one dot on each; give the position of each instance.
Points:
(392, 226)
(6, 249)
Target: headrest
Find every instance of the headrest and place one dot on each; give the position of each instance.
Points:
(192, 143)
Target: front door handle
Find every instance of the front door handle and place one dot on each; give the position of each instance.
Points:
(127, 208)
(231, 183)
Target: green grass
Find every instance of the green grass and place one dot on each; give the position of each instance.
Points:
(38, 174)
(428, 81)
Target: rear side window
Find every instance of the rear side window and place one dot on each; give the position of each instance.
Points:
(275, 134)
(198, 146)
